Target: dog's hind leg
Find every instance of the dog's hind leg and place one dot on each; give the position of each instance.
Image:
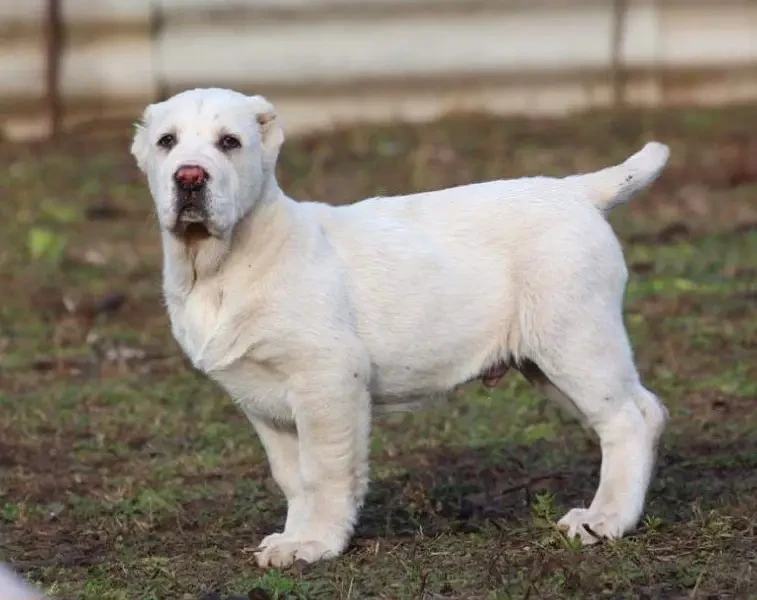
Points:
(592, 368)
(542, 384)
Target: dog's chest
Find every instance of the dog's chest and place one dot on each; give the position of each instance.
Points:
(195, 324)
(259, 390)
(206, 333)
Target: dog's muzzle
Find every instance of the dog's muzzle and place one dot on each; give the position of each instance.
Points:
(191, 200)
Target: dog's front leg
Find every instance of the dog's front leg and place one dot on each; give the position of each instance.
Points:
(333, 434)
(282, 448)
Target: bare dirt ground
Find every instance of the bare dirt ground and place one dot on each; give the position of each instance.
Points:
(126, 475)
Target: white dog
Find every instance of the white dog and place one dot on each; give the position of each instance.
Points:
(313, 316)
(12, 587)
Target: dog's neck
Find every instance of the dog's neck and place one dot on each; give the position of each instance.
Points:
(188, 262)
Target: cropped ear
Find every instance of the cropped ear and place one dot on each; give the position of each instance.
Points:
(271, 133)
(140, 145)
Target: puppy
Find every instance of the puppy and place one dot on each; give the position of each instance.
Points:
(312, 316)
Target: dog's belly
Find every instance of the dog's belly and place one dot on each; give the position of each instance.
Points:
(433, 370)
(415, 397)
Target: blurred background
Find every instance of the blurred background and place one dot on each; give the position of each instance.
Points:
(63, 62)
(124, 474)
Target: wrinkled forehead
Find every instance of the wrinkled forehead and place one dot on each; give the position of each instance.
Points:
(205, 115)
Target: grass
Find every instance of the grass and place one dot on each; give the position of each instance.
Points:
(126, 475)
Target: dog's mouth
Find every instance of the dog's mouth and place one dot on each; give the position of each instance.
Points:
(192, 225)
(195, 232)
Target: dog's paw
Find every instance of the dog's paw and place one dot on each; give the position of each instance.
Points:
(590, 527)
(271, 539)
(279, 551)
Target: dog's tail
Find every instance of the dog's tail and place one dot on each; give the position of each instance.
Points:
(612, 186)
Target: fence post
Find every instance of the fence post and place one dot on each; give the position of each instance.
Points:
(157, 25)
(617, 68)
(54, 43)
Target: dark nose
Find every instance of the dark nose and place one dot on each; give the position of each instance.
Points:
(190, 177)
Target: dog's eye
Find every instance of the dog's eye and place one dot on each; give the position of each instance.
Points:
(167, 141)
(229, 142)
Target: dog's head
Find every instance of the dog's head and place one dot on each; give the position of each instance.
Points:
(209, 155)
